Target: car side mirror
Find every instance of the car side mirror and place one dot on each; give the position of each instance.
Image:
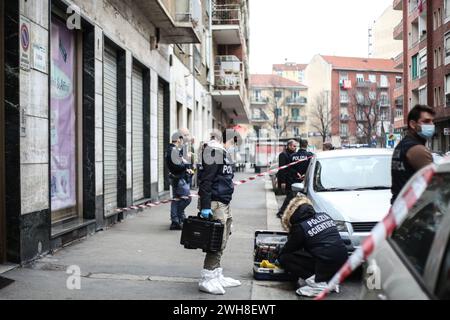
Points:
(298, 187)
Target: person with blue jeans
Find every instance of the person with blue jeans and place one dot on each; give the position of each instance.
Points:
(179, 171)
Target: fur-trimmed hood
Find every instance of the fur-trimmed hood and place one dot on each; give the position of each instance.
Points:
(303, 209)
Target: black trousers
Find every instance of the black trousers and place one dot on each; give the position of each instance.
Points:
(300, 264)
(289, 196)
(303, 265)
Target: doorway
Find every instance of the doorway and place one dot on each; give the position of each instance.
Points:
(2, 144)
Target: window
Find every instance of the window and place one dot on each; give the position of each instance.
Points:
(372, 95)
(278, 94)
(423, 95)
(434, 20)
(384, 81)
(301, 76)
(359, 78)
(295, 113)
(447, 48)
(257, 113)
(399, 112)
(352, 172)
(439, 16)
(440, 97)
(447, 90)
(398, 81)
(435, 60)
(295, 94)
(257, 94)
(447, 8)
(372, 78)
(384, 99)
(278, 112)
(416, 235)
(344, 96)
(344, 129)
(414, 68)
(439, 57)
(423, 63)
(343, 76)
(359, 97)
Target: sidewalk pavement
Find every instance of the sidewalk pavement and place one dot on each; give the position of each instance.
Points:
(140, 259)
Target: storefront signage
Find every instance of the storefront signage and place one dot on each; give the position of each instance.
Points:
(40, 58)
(25, 40)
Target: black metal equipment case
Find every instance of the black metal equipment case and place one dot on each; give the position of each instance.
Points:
(202, 234)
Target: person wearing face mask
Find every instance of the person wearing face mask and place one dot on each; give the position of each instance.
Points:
(411, 154)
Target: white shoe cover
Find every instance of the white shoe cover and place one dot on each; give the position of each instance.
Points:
(224, 281)
(210, 284)
(313, 289)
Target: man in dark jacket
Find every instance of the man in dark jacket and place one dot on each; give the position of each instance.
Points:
(296, 173)
(283, 159)
(179, 171)
(314, 246)
(411, 154)
(216, 188)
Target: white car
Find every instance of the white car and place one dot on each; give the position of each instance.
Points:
(353, 186)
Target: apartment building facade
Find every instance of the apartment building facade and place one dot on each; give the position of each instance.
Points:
(358, 93)
(230, 51)
(425, 31)
(383, 45)
(91, 92)
(290, 70)
(278, 106)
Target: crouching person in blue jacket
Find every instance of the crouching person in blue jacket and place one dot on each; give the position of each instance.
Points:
(216, 190)
(314, 252)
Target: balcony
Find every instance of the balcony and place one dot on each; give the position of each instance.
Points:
(297, 119)
(262, 118)
(361, 118)
(177, 20)
(398, 31)
(383, 85)
(228, 25)
(344, 100)
(399, 61)
(364, 84)
(296, 101)
(259, 100)
(384, 103)
(398, 5)
(230, 89)
(345, 117)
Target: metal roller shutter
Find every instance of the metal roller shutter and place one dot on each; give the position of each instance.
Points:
(161, 150)
(138, 133)
(110, 130)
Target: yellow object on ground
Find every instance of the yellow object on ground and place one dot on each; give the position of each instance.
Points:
(267, 264)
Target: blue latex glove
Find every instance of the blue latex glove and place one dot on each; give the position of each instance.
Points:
(206, 213)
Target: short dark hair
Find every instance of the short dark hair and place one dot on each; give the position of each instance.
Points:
(416, 112)
(304, 143)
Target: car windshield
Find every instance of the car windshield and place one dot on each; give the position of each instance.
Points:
(353, 173)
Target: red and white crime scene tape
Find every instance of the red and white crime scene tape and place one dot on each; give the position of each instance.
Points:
(236, 183)
(397, 214)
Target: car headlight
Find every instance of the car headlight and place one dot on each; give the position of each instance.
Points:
(341, 226)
